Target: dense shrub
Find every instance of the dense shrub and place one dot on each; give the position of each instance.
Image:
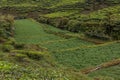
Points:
(62, 22)
(95, 29)
(73, 26)
(113, 30)
(42, 19)
(58, 22)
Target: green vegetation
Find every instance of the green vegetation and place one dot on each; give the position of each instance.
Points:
(60, 14)
(29, 32)
(66, 44)
(39, 36)
(59, 39)
(72, 52)
(83, 57)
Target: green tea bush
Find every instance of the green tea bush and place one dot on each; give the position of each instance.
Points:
(73, 26)
(62, 22)
(42, 19)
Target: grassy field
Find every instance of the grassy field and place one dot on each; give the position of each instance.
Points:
(30, 32)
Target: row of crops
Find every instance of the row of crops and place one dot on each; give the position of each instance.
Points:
(88, 57)
(70, 43)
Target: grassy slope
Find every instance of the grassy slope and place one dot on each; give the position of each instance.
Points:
(29, 32)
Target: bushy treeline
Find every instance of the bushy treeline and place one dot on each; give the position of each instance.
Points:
(103, 29)
(6, 27)
(93, 27)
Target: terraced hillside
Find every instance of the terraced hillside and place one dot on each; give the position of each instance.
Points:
(59, 39)
(68, 51)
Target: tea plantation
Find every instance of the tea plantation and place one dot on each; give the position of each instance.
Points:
(59, 39)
